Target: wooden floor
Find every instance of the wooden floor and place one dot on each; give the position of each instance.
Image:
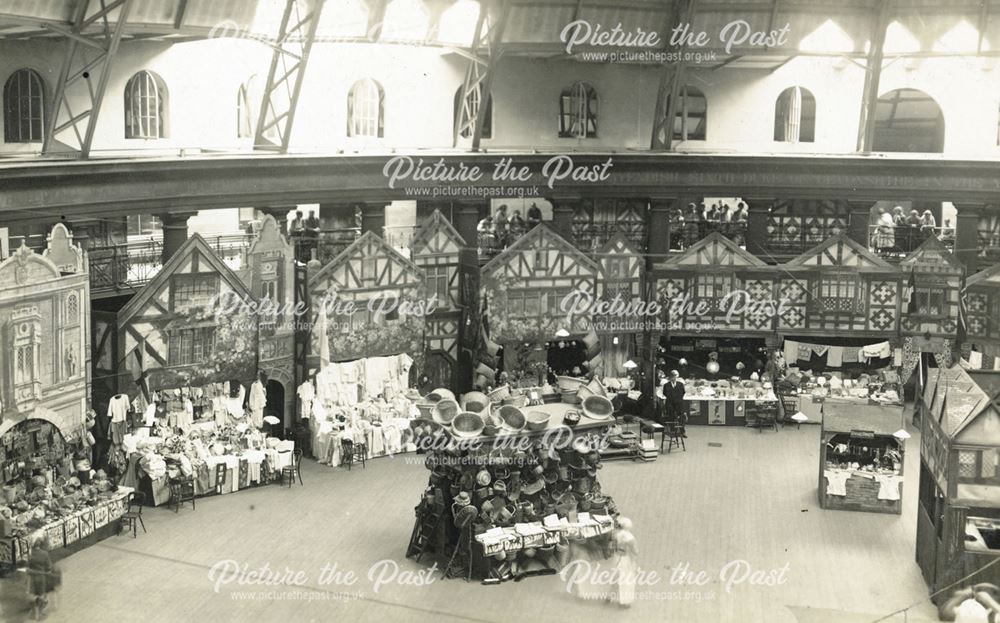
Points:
(752, 498)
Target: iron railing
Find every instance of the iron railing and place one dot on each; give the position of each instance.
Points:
(898, 242)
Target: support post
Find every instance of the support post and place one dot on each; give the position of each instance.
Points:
(475, 97)
(289, 58)
(562, 216)
(873, 76)
(967, 235)
(373, 218)
(859, 225)
(759, 212)
(175, 232)
(77, 67)
(467, 217)
(671, 79)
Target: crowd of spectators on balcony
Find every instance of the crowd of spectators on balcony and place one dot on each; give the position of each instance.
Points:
(498, 231)
(899, 232)
(699, 220)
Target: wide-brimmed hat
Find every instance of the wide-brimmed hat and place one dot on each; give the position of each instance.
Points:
(500, 487)
(483, 478)
(463, 499)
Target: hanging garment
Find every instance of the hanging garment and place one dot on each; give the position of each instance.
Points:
(836, 357)
(882, 350)
(234, 406)
(149, 416)
(836, 482)
(791, 351)
(185, 416)
(258, 400)
(819, 349)
(804, 352)
(850, 354)
(118, 407)
(888, 486)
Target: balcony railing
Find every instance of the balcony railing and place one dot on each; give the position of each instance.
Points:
(124, 268)
(683, 234)
(898, 242)
(325, 243)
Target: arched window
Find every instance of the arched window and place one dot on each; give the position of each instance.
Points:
(474, 102)
(908, 120)
(365, 109)
(795, 116)
(578, 111)
(244, 124)
(23, 107)
(145, 106)
(690, 115)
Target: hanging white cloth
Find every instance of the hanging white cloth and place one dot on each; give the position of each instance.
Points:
(234, 405)
(258, 400)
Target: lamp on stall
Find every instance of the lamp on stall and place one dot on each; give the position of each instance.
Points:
(562, 332)
(271, 421)
(901, 435)
(630, 365)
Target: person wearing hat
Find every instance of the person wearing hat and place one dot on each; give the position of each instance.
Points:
(674, 407)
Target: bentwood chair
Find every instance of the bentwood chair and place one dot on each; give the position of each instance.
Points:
(181, 491)
(133, 517)
(351, 452)
(293, 471)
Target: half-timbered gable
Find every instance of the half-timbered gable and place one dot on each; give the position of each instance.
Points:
(934, 281)
(194, 323)
(715, 285)
(982, 305)
(44, 299)
(436, 249)
(622, 268)
(839, 286)
(374, 302)
(531, 289)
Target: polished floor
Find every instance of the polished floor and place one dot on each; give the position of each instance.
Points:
(736, 497)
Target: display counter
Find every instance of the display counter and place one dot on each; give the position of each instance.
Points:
(861, 461)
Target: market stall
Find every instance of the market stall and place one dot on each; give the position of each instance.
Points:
(861, 456)
(366, 401)
(510, 487)
(958, 512)
(732, 403)
(216, 460)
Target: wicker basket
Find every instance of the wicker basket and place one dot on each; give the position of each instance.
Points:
(570, 382)
(498, 394)
(520, 401)
(571, 397)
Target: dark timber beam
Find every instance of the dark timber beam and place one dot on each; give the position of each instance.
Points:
(671, 80)
(68, 132)
(474, 102)
(873, 76)
(287, 73)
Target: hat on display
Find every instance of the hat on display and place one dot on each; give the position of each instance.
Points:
(551, 477)
(483, 478)
(533, 487)
(463, 499)
(500, 487)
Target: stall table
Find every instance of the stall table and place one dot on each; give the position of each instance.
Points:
(726, 411)
(863, 423)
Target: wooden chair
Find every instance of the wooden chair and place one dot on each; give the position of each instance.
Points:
(133, 517)
(351, 452)
(673, 434)
(293, 471)
(221, 470)
(181, 491)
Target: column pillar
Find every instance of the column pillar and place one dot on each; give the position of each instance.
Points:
(467, 217)
(373, 218)
(967, 235)
(426, 208)
(660, 229)
(175, 232)
(859, 223)
(562, 215)
(280, 214)
(758, 212)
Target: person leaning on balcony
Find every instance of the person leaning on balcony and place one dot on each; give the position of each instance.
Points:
(534, 215)
(517, 225)
(927, 223)
(884, 230)
(501, 224)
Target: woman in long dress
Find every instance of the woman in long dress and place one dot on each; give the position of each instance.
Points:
(626, 568)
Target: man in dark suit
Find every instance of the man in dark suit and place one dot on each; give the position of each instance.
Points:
(672, 392)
